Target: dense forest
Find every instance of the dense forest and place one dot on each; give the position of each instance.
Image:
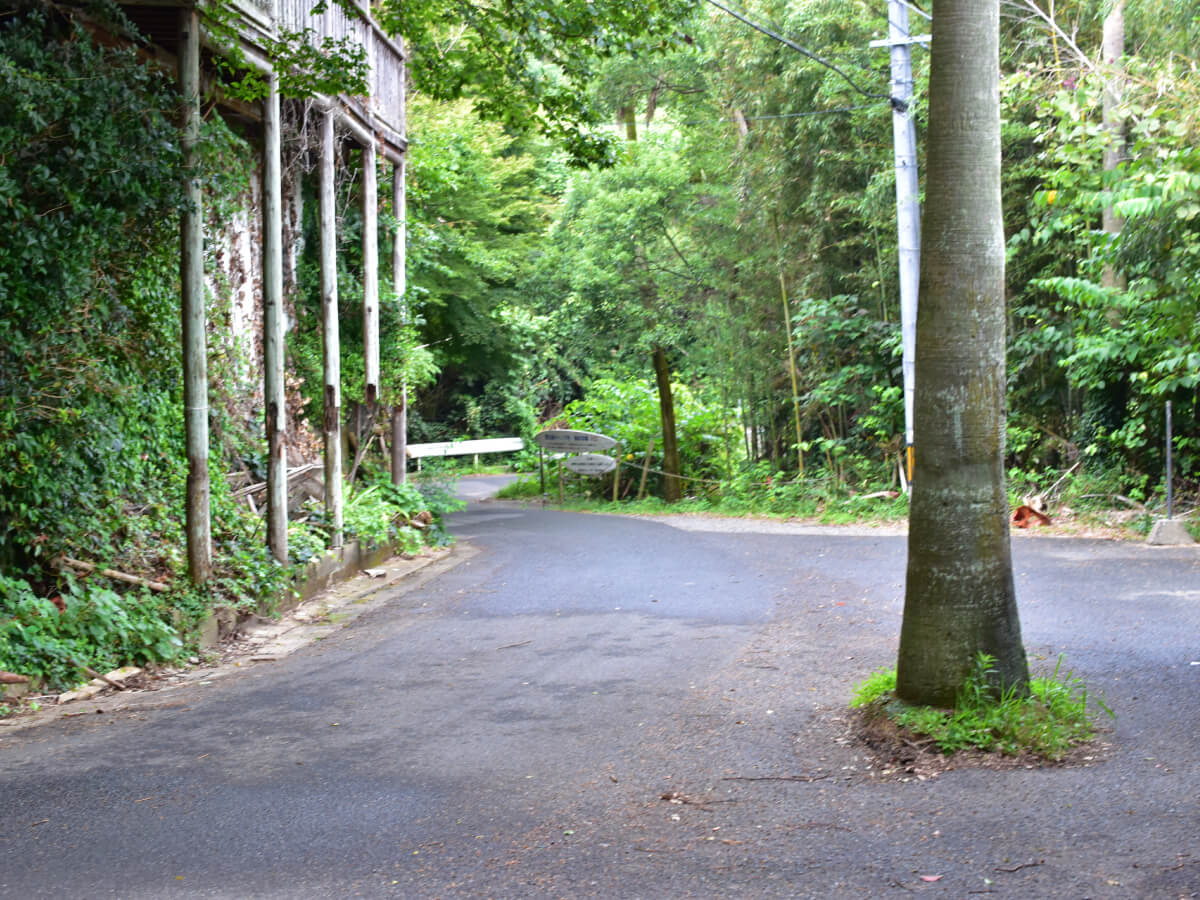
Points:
(664, 206)
(752, 194)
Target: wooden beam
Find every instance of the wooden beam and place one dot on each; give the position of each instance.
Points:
(191, 267)
(370, 250)
(331, 426)
(399, 287)
(274, 397)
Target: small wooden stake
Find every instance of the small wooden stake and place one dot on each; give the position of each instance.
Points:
(645, 470)
(617, 473)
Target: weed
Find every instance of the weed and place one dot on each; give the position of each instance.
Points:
(880, 682)
(521, 489)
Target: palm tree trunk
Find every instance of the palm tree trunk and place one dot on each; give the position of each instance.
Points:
(959, 596)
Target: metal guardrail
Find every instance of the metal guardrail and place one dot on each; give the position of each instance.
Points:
(466, 448)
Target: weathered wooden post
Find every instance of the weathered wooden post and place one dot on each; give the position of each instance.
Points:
(617, 473)
(191, 271)
(331, 424)
(370, 308)
(400, 285)
(273, 327)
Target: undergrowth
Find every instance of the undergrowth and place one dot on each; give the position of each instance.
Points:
(54, 630)
(797, 499)
(1048, 722)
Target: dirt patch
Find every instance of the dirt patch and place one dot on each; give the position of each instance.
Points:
(896, 754)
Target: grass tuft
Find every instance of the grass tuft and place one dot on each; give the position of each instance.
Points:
(1048, 722)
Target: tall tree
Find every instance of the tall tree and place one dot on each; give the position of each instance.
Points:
(529, 64)
(959, 596)
(1113, 51)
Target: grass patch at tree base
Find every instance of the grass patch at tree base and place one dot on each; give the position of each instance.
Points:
(1053, 723)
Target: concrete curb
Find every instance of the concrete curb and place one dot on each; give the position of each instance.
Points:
(334, 567)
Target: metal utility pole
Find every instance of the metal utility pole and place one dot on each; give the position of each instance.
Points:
(908, 200)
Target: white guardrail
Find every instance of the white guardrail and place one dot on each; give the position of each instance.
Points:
(466, 448)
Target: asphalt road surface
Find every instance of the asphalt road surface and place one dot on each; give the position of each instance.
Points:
(593, 706)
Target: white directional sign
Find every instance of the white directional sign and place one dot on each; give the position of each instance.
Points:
(591, 464)
(563, 440)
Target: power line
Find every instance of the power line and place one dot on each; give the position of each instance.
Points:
(916, 9)
(837, 110)
(793, 45)
(811, 112)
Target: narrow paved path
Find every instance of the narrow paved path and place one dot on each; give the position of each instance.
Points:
(610, 707)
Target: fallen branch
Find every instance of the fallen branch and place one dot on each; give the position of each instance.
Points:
(1027, 865)
(92, 673)
(88, 568)
(1050, 492)
(805, 778)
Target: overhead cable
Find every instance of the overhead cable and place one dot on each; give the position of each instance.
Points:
(812, 112)
(837, 110)
(917, 10)
(803, 51)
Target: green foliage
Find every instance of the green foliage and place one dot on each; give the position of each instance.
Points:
(528, 65)
(524, 488)
(96, 627)
(1106, 323)
(307, 65)
(378, 516)
(878, 684)
(1051, 720)
(629, 412)
(90, 404)
(480, 200)
(88, 170)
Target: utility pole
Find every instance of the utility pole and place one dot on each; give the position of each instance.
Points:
(908, 201)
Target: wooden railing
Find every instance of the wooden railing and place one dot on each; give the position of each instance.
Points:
(387, 61)
(387, 83)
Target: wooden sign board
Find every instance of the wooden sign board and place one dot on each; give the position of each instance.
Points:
(591, 464)
(563, 440)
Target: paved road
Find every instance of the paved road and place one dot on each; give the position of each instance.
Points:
(509, 726)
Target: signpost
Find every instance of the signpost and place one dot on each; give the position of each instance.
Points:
(584, 443)
(591, 464)
(563, 440)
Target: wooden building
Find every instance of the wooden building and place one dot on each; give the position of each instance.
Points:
(180, 37)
